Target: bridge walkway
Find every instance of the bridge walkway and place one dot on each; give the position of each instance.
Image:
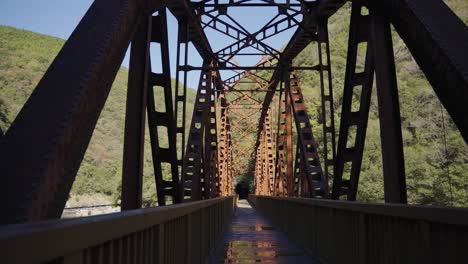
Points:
(251, 238)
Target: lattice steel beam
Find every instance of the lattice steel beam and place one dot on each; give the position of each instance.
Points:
(317, 181)
(158, 118)
(354, 122)
(192, 161)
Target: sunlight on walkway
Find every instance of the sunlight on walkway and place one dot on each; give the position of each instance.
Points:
(251, 238)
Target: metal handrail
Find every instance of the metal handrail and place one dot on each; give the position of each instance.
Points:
(353, 232)
(447, 215)
(82, 238)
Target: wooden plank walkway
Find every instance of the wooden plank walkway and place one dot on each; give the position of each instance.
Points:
(251, 238)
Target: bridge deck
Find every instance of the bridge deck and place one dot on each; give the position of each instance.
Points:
(250, 238)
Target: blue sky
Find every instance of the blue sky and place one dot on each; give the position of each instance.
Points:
(59, 18)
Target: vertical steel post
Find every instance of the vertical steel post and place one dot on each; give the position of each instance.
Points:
(222, 144)
(281, 167)
(211, 156)
(326, 92)
(389, 111)
(180, 102)
(134, 138)
(229, 178)
(270, 163)
(316, 180)
(164, 117)
(357, 81)
(288, 143)
(192, 163)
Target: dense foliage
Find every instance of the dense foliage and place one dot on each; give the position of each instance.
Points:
(25, 56)
(436, 157)
(435, 153)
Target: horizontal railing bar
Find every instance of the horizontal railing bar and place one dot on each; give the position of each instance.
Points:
(448, 215)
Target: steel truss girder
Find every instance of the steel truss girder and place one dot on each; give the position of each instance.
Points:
(164, 119)
(299, 180)
(247, 39)
(269, 145)
(223, 146)
(284, 169)
(439, 46)
(251, 39)
(186, 14)
(303, 36)
(135, 117)
(229, 183)
(326, 93)
(180, 100)
(250, 73)
(192, 160)
(265, 162)
(359, 33)
(222, 7)
(393, 160)
(374, 29)
(210, 159)
(258, 181)
(317, 181)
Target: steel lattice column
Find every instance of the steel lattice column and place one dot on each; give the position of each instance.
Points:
(158, 118)
(282, 147)
(354, 121)
(316, 179)
(326, 92)
(192, 161)
(270, 154)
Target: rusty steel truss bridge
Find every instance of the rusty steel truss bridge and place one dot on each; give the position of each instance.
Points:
(247, 117)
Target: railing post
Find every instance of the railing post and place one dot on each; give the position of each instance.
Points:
(362, 239)
(161, 244)
(188, 240)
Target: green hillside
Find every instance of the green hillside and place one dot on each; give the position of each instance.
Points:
(435, 174)
(25, 56)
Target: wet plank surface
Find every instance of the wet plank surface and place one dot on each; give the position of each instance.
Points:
(251, 238)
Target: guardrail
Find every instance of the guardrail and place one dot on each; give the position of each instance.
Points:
(351, 232)
(182, 233)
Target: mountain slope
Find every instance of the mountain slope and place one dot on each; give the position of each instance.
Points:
(25, 56)
(436, 157)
